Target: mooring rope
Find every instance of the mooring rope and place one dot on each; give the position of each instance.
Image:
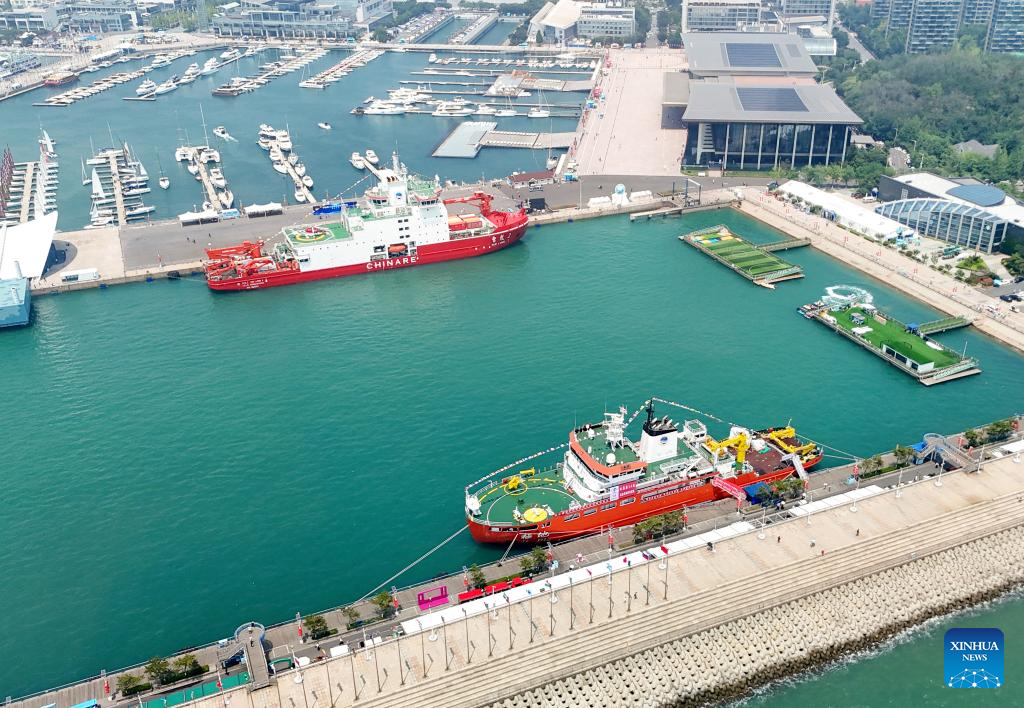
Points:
(414, 563)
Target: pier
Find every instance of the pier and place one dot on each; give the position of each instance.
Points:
(244, 84)
(32, 190)
(122, 217)
(467, 138)
(741, 256)
(944, 325)
(341, 69)
(650, 597)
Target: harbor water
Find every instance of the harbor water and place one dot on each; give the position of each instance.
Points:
(154, 129)
(178, 461)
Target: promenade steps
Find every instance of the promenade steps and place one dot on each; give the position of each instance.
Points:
(608, 641)
(728, 661)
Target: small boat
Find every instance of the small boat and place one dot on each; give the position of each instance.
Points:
(281, 167)
(226, 198)
(217, 177)
(486, 110)
(293, 159)
(357, 161)
(324, 126)
(307, 180)
(300, 169)
(146, 87)
(164, 182)
(371, 157)
(193, 168)
(299, 196)
(552, 162)
(140, 210)
(221, 132)
(504, 113)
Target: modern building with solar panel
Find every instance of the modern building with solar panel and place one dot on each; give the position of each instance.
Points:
(964, 212)
(749, 101)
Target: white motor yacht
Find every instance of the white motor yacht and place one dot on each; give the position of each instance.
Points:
(357, 161)
(504, 113)
(226, 198)
(371, 157)
(193, 168)
(299, 196)
(165, 87)
(267, 131)
(221, 132)
(160, 60)
(537, 112)
(307, 180)
(281, 167)
(217, 177)
(299, 168)
(264, 143)
(448, 109)
(383, 108)
(210, 67)
(284, 141)
(146, 87)
(191, 74)
(230, 54)
(486, 110)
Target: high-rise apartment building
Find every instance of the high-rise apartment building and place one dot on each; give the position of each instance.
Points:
(933, 25)
(1006, 29)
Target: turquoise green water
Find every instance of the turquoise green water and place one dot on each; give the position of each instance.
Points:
(155, 128)
(907, 670)
(178, 462)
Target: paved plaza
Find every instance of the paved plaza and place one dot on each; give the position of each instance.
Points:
(624, 134)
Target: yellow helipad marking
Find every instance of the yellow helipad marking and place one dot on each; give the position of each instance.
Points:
(535, 514)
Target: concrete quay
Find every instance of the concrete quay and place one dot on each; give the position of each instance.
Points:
(492, 655)
(938, 290)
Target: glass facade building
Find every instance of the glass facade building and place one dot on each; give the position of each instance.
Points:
(756, 146)
(960, 224)
(1006, 31)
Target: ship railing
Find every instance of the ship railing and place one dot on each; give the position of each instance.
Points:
(496, 480)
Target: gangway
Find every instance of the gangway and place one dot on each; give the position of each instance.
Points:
(730, 488)
(937, 444)
(798, 465)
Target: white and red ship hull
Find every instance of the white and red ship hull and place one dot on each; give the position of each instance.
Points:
(426, 254)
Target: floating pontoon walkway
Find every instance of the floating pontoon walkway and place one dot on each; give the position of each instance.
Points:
(752, 262)
(467, 139)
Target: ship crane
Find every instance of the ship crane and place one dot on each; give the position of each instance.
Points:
(740, 441)
(481, 198)
(781, 436)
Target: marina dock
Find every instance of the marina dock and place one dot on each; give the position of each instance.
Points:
(341, 69)
(480, 24)
(741, 256)
(122, 217)
(244, 84)
(467, 138)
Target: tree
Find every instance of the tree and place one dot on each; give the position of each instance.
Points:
(128, 683)
(384, 603)
(540, 37)
(380, 35)
(1014, 264)
(316, 626)
(157, 669)
(903, 455)
(351, 615)
(1000, 430)
(476, 576)
(974, 438)
(186, 665)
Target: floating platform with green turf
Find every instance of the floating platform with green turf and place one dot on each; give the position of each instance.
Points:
(754, 263)
(906, 347)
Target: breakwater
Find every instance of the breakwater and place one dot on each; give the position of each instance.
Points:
(728, 661)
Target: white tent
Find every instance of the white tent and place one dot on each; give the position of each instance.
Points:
(852, 216)
(24, 248)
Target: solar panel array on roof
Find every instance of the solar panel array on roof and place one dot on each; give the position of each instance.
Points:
(981, 194)
(762, 56)
(762, 98)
